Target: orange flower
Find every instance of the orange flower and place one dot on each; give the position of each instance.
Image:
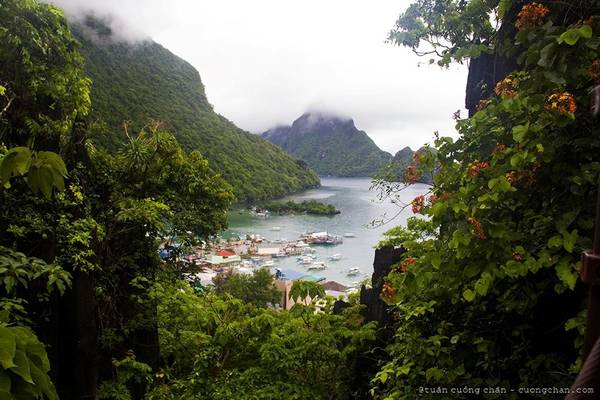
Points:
(499, 148)
(406, 263)
(507, 87)
(594, 71)
(477, 166)
(476, 228)
(411, 174)
(531, 15)
(483, 104)
(562, 102)
(417, 204)
(388, 292)
(417, 156)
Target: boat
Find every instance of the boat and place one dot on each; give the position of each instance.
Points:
(335, 257)
(306, 260)
(276, 229)
(268, 263)
(354, 271)
(317, 265)
(349, 235)
(322, 238)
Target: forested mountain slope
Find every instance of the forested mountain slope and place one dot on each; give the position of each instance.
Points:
(141, 82)
(330, 145)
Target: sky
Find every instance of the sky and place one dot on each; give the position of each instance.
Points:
(266, 62)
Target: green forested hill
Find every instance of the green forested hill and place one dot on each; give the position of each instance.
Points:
(331, 145)
(142, 82)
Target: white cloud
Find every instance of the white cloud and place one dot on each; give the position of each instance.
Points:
(265, 62)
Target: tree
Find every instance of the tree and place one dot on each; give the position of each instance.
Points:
(257, 289)
(510, 210)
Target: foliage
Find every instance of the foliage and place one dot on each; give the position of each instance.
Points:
(217, 348)
(44, 88)
(137, 83)
(509, 213)
(24, 365)
(256, 289)
(307, 207)
(330, 145)
(43, 170)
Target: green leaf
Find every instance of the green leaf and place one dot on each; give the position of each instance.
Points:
(519, 132)
(503, 7)
(569, 240)
(15, 163)
(22, 366)
(555, 241)
(566, 274)
(469, 295)
(436, 260)
(8, 347)
(573, 35)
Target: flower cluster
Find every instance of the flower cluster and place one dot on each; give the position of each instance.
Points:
(594, 71)
(417, 204)
(434, 198)
(562, 102)
(531, 15)
(523, 178)
(517, 256)
(417, 156)
(411, 174)
(476, 228)
(477, 166)
(507, 87)
(406, 263)
(388, 292)
(499, 149)
(483, 104)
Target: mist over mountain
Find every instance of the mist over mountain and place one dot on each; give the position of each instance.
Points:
(139, 82)
(330, 144)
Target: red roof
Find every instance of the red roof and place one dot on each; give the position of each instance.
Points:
(225, 253)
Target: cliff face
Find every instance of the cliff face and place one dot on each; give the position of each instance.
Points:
(329, 144)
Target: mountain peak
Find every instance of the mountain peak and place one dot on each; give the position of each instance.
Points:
(320, 120)
(331, 144)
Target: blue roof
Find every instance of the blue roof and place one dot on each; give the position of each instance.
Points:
(293, 275)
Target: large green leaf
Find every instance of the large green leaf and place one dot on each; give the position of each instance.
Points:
(8, 347)
(15, 163)
(22, 367)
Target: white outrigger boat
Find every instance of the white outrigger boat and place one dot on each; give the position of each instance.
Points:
(306, 260)
(349, 235)
(335, 257)
(317, 265)
(354, 271)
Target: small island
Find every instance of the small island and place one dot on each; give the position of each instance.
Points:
(306, 207)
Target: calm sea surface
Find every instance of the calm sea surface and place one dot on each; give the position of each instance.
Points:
(359, 208)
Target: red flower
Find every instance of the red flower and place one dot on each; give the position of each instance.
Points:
(388, 292)
(477, 228)
(406, 263)
(411, 174)
(562, 102)
(531, 15)
(417, 204)
(507, 87)
(500, 148)
(477, 166)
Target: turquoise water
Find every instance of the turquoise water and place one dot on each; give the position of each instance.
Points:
(359, 208)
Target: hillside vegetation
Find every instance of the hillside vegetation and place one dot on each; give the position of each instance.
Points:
(141, 82)
(330, 145)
